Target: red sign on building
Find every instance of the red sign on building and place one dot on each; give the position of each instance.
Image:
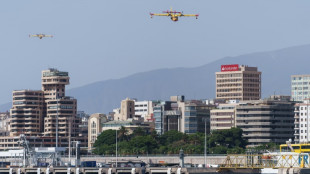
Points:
(234, 67)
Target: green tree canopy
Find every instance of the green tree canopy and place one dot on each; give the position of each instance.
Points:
(218, 142)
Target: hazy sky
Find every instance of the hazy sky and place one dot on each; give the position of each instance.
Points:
(102, 39)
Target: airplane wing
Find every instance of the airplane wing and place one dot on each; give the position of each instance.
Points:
(32, 35)
(48, 36)
(190, 15)
(159, 14)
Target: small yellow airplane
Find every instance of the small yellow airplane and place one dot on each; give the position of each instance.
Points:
(174, 15)
(40, 35)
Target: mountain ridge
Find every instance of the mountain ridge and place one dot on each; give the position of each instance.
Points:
(194, 82)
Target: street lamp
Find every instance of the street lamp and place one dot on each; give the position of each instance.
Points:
(77, 153)
(56, 130)
(56, 121)
(116, 147)
(307, 121)
(205, 148)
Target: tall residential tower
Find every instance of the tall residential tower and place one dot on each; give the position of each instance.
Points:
(38, 113)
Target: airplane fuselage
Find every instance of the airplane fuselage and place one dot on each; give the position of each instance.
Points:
(174, 18)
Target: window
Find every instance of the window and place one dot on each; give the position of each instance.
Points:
(93, 125)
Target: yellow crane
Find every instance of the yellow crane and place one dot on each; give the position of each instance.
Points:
(174, 15)
(40, 35)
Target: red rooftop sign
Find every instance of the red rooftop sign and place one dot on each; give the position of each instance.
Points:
(234, 67)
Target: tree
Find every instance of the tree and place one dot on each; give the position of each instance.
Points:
(139, 132)
(106, 137)
(219, 142)
(123, 134)
(170, 137)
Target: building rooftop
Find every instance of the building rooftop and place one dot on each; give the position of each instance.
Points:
(54, 72)
(116, 123)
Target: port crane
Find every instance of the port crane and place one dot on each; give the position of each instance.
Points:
(174, 15)
(36, 156)
(40, 36)
(29, 157)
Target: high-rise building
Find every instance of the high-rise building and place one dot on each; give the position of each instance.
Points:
(40, 113)
(58, 105)
(264, 121)
(27, 113)
(300, 86)
(236, 82)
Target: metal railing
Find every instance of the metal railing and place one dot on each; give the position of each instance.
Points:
(288, 160)
(150, 155)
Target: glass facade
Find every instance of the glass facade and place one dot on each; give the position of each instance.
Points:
(196, 118)
(158, 119)
(187, 117)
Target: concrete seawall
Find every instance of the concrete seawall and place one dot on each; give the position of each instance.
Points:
(214, 160)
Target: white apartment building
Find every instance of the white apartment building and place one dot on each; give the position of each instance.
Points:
(300, 86)
(144, 109)
(302, 112)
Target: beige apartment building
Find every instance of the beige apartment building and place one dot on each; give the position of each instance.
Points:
(95, 122)
(236, 82)
(127, 110)
(57, 104)
(38, 113)
(223, 117)
(27, 113)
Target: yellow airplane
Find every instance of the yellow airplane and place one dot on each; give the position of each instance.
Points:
(40, 35)
(174, 15)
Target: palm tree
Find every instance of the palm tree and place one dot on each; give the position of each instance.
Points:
(122, 134)
(139, 132)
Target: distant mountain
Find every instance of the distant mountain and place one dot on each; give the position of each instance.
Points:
(195, 83)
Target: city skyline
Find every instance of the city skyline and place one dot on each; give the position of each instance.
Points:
(97, 36)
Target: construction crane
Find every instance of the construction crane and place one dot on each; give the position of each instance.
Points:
(174, 15)
(40, 36)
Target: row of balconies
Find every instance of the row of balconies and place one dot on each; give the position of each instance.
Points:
(23, 123)
(264, 129)
(261, 123)
(23, 118)
(222, 122)
(267, 134)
